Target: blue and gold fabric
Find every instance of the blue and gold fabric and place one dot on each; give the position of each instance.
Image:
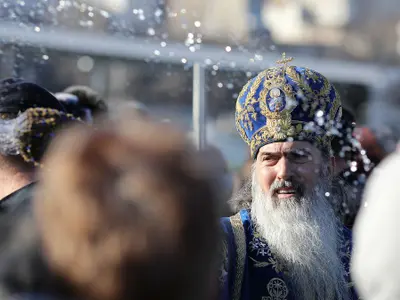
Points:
(287, 103)
(250, 271)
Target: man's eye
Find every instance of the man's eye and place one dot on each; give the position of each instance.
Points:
(300, 156)
(268, 158)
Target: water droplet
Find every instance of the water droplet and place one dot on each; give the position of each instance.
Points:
(158, 12)
(157, 52)
(151, 31)
(208, 61)
(163, 44)
(142, 18)
(319, 113)
(215, 67)
(37, 29)
(213, 72)
(229, 85)
(353, 169)
(45, 57)
(91, 14)
(232, 64)
(220, 84)
(228, 49)
(272, 47)
(190, 35)
(184, 60)
(183, 11)
(258, 57)
(105, 14)
(192, 49)
(88, 23)
(327, 194)
(249, 74)
(197, 24)
(85, 64)
(235, 95)
(135, 11)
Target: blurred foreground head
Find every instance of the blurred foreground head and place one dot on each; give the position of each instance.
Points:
(375, 262)
(127, 211)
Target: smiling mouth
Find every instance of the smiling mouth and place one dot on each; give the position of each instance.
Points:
(286, 191)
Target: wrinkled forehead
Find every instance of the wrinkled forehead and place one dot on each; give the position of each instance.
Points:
(295, 146)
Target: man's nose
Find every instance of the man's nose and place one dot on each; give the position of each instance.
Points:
(284, 169)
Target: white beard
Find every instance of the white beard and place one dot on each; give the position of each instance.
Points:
(304, 235)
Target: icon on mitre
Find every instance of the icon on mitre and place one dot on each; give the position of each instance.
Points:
(276, 100)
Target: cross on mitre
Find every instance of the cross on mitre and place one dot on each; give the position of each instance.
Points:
(285, 60)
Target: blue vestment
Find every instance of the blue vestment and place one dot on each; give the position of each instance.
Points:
(250, 271)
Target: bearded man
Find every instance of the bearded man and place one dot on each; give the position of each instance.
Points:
(287, 243)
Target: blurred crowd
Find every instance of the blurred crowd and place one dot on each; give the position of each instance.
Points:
(104, 202)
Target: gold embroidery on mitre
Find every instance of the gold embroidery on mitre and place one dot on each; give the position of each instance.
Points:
(284, 60)
(279, 120)
(245, 112)
(312, 98)
(277, 99)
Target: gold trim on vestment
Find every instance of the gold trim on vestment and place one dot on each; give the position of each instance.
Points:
(240, 243)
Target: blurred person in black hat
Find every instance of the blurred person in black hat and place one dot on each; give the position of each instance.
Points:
(29, 116)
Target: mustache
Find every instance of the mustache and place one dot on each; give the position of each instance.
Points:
(290, 183)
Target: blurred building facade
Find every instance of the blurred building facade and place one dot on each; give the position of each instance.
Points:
(356, 29)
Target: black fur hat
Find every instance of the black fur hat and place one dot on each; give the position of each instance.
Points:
(17, 95)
